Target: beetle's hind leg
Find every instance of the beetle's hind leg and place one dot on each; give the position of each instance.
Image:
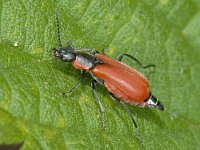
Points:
(93, 84)
(136, 60)
(130, 115)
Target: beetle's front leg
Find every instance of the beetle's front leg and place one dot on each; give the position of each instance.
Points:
(76, 84)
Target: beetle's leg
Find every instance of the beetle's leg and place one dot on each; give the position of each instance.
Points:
(130, 115)
(93, 83)
(135, 124)
(76, 84)
(103, 51)
(92, 51)
(137, 61)
(69, 42)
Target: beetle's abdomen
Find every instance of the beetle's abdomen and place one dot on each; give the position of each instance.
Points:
(125, 83)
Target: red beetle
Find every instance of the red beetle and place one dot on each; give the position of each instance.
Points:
(125, 84)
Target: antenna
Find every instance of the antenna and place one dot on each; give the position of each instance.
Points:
(58, 28)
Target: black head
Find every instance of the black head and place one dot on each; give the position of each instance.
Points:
(66, 54)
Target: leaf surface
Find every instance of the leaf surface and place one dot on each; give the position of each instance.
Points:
(32, 108)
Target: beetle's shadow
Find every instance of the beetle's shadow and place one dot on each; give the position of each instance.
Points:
(150, 114)
(137, 112)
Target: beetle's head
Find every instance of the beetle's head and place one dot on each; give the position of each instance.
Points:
(66, 54)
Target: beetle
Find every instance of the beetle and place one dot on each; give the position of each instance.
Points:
(125, 84)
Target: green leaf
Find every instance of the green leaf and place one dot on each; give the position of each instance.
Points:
(32, 108)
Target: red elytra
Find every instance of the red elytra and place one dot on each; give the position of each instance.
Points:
(124, 82)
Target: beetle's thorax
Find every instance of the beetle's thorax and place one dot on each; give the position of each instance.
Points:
(85, 61)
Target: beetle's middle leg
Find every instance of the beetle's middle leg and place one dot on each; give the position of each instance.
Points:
(130, 115)
(136, 60)
(93, 84)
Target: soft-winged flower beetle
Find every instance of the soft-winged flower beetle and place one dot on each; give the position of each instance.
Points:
(125, 84)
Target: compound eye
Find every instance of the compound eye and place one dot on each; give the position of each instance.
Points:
(69, 57)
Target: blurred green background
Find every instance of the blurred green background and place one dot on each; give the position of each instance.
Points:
(32, 109)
